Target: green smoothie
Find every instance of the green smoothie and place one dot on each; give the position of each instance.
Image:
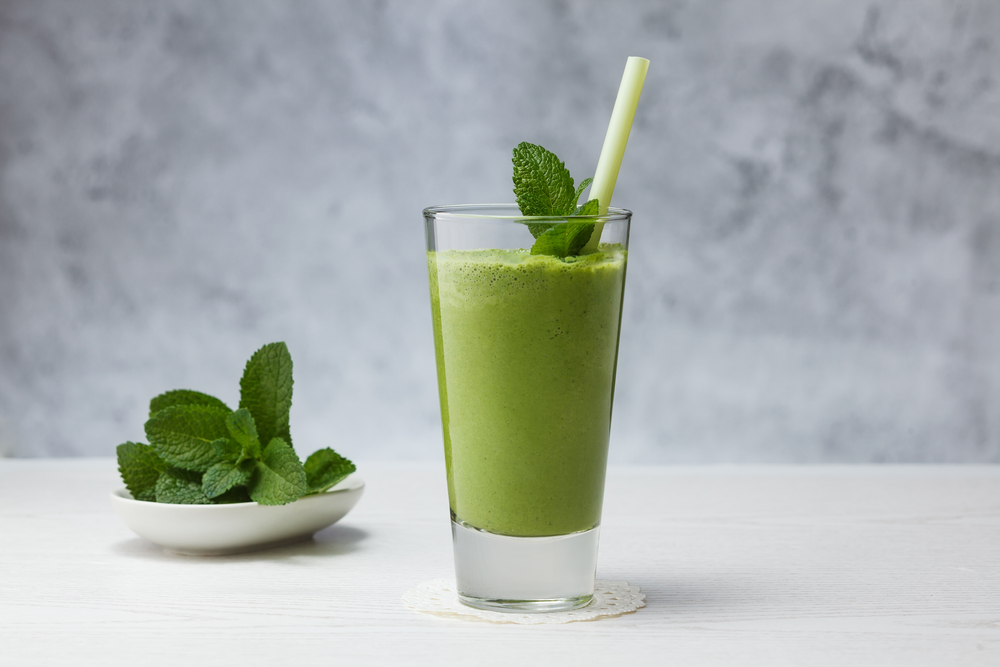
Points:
(526, 351)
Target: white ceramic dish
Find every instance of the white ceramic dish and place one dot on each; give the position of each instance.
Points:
(209, 530)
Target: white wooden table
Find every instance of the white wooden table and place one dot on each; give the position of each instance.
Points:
(887, 565)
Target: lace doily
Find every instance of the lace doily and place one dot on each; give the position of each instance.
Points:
(611, 598)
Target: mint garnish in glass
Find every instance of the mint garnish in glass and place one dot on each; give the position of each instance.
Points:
(543, 187)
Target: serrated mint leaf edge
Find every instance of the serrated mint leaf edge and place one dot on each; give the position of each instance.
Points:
(140, 468)
(266, 391)
(579, 191)
(242, 427)
(563, 240)
(172, 485)
(183, 397)
(542, 183)
(272, 474)
(183, 449)
(227, 450)
(590, 208)
(314, 467)
(225, 476)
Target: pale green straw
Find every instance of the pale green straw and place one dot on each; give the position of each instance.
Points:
(614, 142)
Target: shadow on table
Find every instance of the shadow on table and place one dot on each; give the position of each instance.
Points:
(332, 541)
(693, 596)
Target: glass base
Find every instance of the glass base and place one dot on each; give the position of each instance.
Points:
(524, 574)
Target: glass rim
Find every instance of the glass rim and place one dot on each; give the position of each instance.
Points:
(459, 211)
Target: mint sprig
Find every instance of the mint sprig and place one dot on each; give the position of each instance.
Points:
(543, 187)
(202, 452)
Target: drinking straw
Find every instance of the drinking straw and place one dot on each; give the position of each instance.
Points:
(614, 142)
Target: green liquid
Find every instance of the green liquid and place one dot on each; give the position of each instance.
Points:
(526, 352)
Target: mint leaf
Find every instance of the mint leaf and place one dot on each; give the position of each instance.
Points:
(539, 228)
(542, 184)
(237, 494)
(279, 477)
(590, 208)
(179, 488)
(183, 397)
(183, 435)
(579, 191)
(266, 391)
(543, 187)
(241, 426)
(224, 476)
(325, 468)
(227, 450)
(563, 240)
(140, 467)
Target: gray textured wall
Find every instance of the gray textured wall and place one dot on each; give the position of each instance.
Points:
(815, 273)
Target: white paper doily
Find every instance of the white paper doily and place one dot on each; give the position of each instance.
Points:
(611, 598)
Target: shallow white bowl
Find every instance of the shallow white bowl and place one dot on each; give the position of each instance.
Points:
(210, 530)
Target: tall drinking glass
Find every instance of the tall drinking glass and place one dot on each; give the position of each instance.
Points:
(526, 351)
